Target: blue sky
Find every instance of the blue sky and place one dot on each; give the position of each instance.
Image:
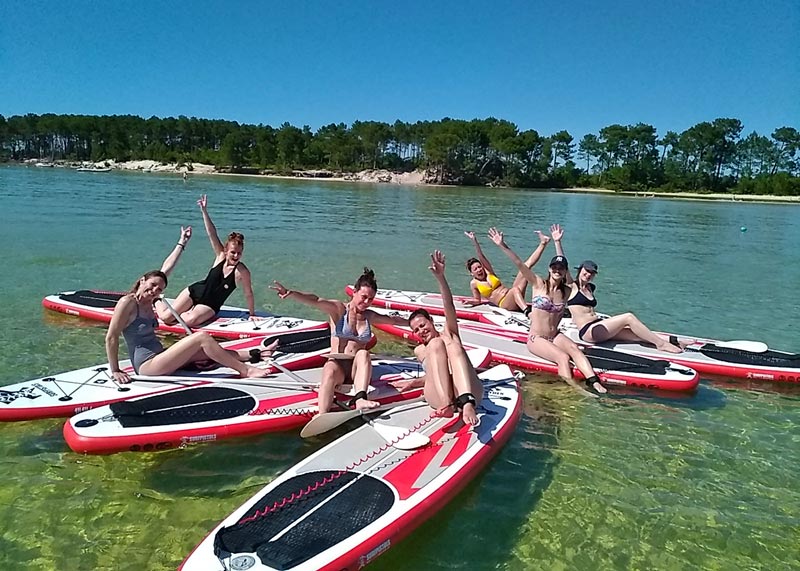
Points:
(545, 65)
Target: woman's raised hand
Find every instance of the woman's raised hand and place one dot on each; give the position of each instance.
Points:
(544, 239)
(437, 263)
(496, 236)
(471, 235)
(186, 234)
(280, 289)
(557, 232)
(203, 202)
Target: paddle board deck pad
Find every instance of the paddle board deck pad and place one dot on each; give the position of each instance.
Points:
(227, 409)
(613, 367)
(230, 323)
(706, 356)
(351, 501)
(72, 392)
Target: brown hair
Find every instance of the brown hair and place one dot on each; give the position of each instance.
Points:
(470, 262)
(235, 237)
(366, 279)
(147, 276)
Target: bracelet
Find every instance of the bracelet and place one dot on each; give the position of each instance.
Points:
(183, 246)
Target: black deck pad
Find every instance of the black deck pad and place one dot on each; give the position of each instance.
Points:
(301, 341)
(91, 298)
(766, 359)
(354, 502)
(614, 360)
(197, 404)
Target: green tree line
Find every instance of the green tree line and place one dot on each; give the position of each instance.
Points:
(708, 157)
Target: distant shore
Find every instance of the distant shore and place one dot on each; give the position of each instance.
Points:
(382, 176)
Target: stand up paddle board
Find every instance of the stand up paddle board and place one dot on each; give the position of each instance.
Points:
(72, 392)
(345, 505)
(230, 323)
(228, 409)
(744, 359)
(613, 367)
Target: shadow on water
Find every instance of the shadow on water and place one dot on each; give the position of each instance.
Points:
(705, 397)
(494, 507)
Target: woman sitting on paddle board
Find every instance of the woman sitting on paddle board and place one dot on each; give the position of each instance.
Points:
(134, 318)
(487, 287)
(593, 329)
(200, 302)
(548, 302)
(441, 353)
(350, 360)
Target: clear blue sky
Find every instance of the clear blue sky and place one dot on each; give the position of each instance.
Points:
(546, 65)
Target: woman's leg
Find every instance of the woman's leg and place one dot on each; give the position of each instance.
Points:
(545, 349)
(180, 304)
(464, 379)
(514, 300)
(438, 385)
(193, 347)
(627, 327)
(333, 375)
(579, 358)
(362, 374)
(198, 315)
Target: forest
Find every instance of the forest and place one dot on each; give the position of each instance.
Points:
(711, 156)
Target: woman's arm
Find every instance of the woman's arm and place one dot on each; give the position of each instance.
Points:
(247, 288)
(497, 237)
(211, 230)
(450, 318)
(534, 258)
(558, 233)
(172, 260)
(122, 315)
(484, 260)
(332, 307)
(383, 319)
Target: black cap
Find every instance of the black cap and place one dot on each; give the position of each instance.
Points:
(559, 260)
(589, 265)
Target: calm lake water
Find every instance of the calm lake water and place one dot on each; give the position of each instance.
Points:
(707, 481)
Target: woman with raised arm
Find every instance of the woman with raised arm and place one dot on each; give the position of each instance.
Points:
(548, 302)
(200, 302)
(351, 332)
(487, 287)
(450, 380)
(135, 319)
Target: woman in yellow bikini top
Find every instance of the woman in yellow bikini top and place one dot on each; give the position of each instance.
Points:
(486, 286)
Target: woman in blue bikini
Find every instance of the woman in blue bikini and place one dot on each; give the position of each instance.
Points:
(548, 302)
(350, 334)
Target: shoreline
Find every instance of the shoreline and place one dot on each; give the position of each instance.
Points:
(381, 176)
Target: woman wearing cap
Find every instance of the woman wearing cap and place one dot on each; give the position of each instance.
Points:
(200, 302)
(549, 299)
(487, 287)
(594, 329)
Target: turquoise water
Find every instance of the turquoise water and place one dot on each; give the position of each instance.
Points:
(699, 482)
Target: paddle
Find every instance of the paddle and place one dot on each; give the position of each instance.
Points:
(326, 421)
(740, 345)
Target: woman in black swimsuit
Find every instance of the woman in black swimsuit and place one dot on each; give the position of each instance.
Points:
(200, 302)
(593, 329)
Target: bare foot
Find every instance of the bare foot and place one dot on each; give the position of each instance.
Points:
(667, 347)
(364, 404)
(599, 388)
(256, 373)
(470, 416)
(267, 351)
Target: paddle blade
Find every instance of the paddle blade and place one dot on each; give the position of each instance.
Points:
(750, 346)
(327, 421)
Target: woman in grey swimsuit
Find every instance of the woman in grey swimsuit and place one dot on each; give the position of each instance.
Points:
(548, 302)
(350, 334)
(135, 319)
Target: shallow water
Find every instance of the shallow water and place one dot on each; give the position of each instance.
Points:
(706, 481)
